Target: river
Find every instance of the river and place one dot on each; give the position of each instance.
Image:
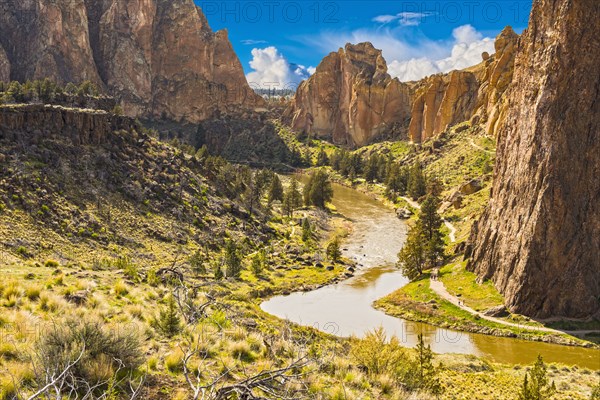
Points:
(345, 309)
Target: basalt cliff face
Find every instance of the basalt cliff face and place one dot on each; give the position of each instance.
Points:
(444, 100)
(538, 239)
(158, 57)
(351, 99)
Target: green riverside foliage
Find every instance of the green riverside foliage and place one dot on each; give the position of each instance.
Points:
(411, 258)
(535, 384)
(333, 250)
(417, 186)
(424, 245)
(430, 223)
(318, 190)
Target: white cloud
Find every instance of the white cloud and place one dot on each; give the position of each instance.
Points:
(467, 47)
(403, 18)
(272, 70)
(252, 42)
(410, 54)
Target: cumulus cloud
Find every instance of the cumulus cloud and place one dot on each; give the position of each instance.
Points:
(467, 47)
(272, 70)
(410, 54)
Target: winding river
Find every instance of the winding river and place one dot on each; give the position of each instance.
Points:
(345, 309)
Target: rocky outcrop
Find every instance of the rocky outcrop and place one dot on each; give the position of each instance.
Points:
(82, 126)
(158, 57)
(444, 100)
(351, 99)
(538, 238)
(4, 66)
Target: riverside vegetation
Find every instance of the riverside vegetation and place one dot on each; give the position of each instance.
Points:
(133, 268)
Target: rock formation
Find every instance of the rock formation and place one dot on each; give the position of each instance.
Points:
(444, 100)
(351, 99)
(82, 126)
(4, 65)
(158, 57)
(538, 239)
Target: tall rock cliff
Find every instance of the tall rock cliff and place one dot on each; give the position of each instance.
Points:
(159, 57)
(351, 98)
(538, 239)
(444, 100)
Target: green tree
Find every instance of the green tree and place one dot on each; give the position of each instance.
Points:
(322, 159)
(306, 230)
(372, 168)
(411, 258)
(275, 189)
(426, 376)
(232, 260)
(417, 186)
(430, 223)
(333, 250)
(196, 261)
(292, 199)
(168, 321)
(397, 180)
(219, 273)
(535, 383)
(257, 264)
(318, 190)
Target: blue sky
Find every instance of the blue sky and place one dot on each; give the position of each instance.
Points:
(280, 42)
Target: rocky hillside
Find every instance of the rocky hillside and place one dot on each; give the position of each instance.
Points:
(79, 183)
(444, 100)
(538, 238)
(351, 99)
(160, 58)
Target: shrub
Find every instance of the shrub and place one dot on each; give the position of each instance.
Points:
(51, 264)
(120, 288)
(102, 351)
(174, 361)
(376, 356)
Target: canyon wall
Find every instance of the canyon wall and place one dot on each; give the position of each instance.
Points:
(351, 99)
(158, 57)
(538, 239)
(444, 100)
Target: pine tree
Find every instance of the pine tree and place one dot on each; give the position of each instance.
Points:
(292, 199)
(275, 189)
(417, 186)
(430, 223)
(168, 321)
(306, 230)
(411, 258)
(333, 250)
(233, 260)
(256, 264)
(318, 190)
(426, 372)
(322, 159)
(219, 273)
(372, 168)
(535, 384)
